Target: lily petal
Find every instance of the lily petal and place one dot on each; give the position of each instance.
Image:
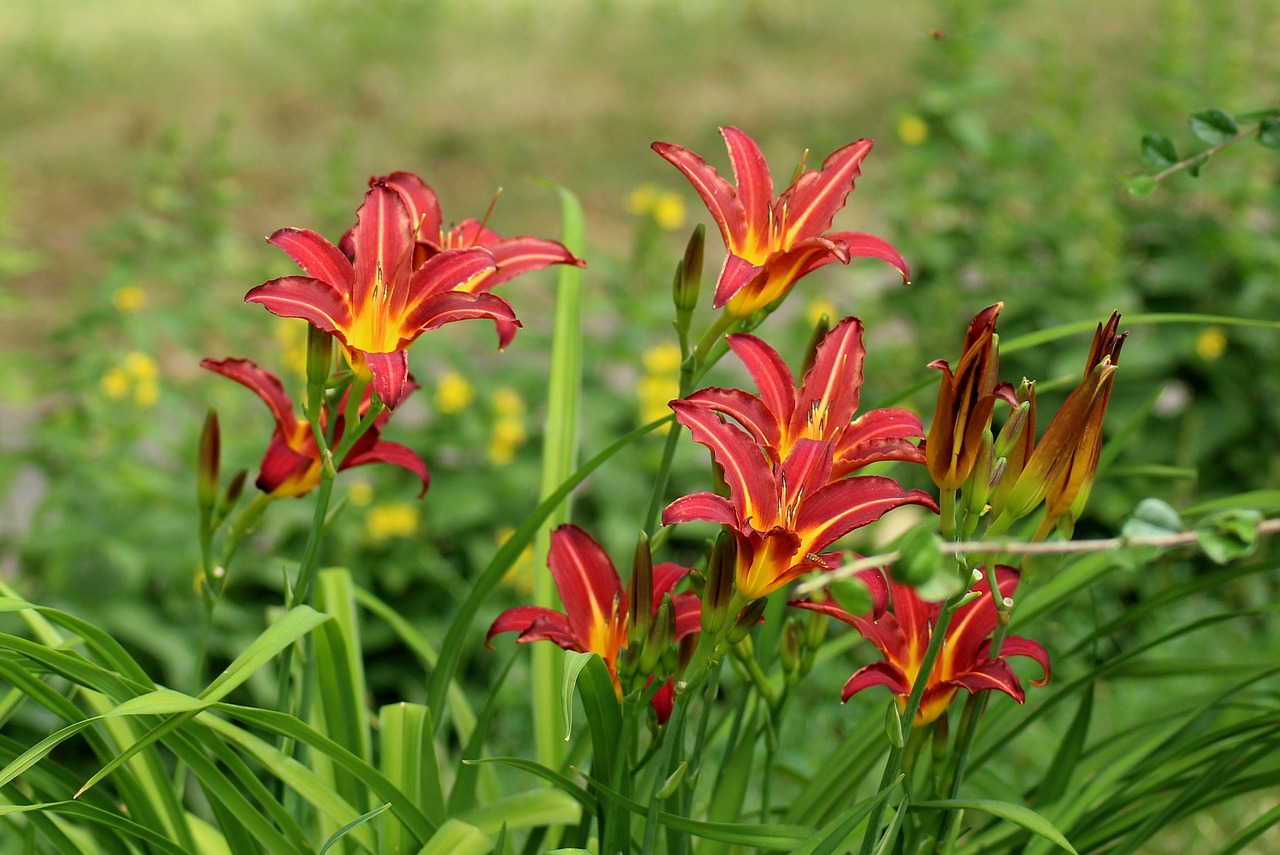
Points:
(395, 454)
(317, 257)
(877, 674)
(313, 300)
(718, 194)
(808, 206)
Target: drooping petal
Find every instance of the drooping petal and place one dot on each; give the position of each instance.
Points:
(318, 258)
(395, 454)
(863, 245)
(877, 674)
(747, 410)
(988, 675)
(879, 435)
(808, 206)
(701, 506)
(587, 581)
(515, 256)
(736, 274)
(1016, 645)
(286, 471)
(534, 623)
(450, 306)
(313, 300)
(688, 613)
(390, 376)
(718, 194)
(755, 186)
(839, 508)
(778, 274)
(262, 382)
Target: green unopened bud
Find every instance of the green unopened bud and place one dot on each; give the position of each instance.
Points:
(689, 272)
(820, 330)
(641, 592)
(319, 367)
(1013, 428)
(893, 726)
(208, 465)
(718, 590)
(792, 645)
(979, 486)
(817, 630)
(747, 620)
(660, 635)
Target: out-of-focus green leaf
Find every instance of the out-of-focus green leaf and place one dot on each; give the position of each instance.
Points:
(1140, 186)
(1269, 133)
(1159, 151)
(1152, 518)
(350, 826)
(1214, 126)
(1229, 535)
(1023, 816)
(457, 838)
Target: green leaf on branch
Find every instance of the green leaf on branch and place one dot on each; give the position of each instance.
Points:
(574, 662)
(1269, 133)
(1214, 126)
(1230, 535)
(1140, 186)
(1153, 518)
(1159, 151)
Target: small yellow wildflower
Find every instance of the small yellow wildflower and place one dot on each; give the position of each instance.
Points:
(819, 307)
(668, 211)
(507, 402)
(359, 493)
(395, 519)
(291, 337)
(129, 298)
(453, 393)
(136, 373)
(912, 129)
(1211, 343)
(507, 435)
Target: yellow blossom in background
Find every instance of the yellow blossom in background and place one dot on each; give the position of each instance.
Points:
(360, 494)
(642, 199)
(129, 298)
(115, 383)
(661, 381)
(668, 211)
(520, 575)
(507, 436)
(138, 374)
(453, 393)
(1211, 343)
(662, 359)
(507, 402)
(664, 206)
(291, 338)
(819, 307)
(912, 129)
(395, 519)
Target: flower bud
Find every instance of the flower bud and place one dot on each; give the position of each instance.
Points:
(640, 593)
(718, 590)
(207, 471)
(747, 620)
(689, 272)
(966, 400)
(660, 635)
(792, 645)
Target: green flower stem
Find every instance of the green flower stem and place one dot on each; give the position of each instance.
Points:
(893, 764)
(947, 514)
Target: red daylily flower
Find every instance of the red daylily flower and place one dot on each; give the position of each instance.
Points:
(596, 608)
(783, 515)
(822, 408)
(513, 255)
(964, 662)
(378, 301)
(291, 465)
(773, 243)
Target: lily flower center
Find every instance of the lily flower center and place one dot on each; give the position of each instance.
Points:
(373, 330)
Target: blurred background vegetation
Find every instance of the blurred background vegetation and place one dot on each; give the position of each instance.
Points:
(146, 147)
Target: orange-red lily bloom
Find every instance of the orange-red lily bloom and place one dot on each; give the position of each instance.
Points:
(903, 634)
(773, 243)
(291, 465)
(378, 301)
(785, 515)
(596, 608)
(966, 400)
(821, 408)
(513, 255)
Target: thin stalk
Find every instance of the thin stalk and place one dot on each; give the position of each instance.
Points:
(893, 764)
